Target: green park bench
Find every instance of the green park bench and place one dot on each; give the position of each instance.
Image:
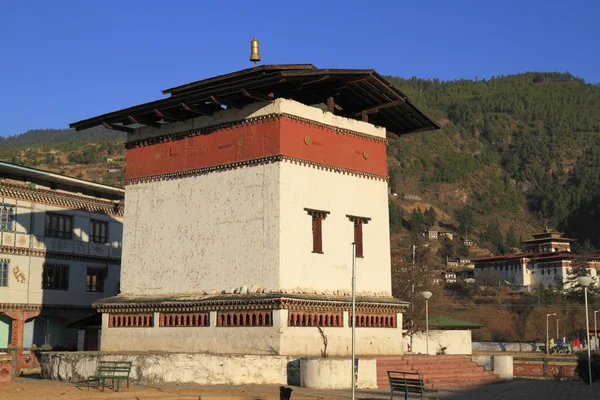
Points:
(408, 382)
(113, 372)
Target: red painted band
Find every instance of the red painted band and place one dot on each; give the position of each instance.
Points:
(283, 136)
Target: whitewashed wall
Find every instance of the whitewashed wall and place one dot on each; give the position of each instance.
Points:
(277, 339)
(456, 341)
(341, 195)
(215, 231)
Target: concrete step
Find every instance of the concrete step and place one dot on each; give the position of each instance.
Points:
(437, 371)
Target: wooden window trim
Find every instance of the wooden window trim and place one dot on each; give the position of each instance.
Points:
(95, 278)
(358, 222)
(317, 228)
(98, 231)
(55, 276)
(59, 226)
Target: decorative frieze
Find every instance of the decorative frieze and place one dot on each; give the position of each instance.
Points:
(184, 319)
(44, 196)
(374, 320)
(252, 163)
(59, 256)
(130, 320)
(251, 318)
(298, 318)
(249, 304)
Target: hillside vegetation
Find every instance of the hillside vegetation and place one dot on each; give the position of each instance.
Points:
(516, 152)
(521, 150)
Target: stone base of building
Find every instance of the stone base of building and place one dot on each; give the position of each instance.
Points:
(211, 369)
(255, 325)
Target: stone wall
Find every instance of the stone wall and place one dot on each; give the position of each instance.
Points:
(6, 367)
(178, 368)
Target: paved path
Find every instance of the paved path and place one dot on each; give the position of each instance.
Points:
(519, 389)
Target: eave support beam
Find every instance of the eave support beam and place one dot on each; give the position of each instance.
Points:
(118, 128)
(330, 104)
(256, 96)
(165, 116)
(227, 103)
(196, 109)
(142, 121)
(376, 109)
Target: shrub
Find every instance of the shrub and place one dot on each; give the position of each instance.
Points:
(582, 366)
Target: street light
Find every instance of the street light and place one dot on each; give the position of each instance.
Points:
(586, 281)
(557, 329)
(548, 340)
(353, 318)
(426, 296)
(595, 331)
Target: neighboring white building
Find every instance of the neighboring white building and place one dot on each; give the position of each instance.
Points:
(448, 277)
(549, 267)
(240, 221)
(60, 251)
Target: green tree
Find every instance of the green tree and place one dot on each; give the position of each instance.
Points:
(430, 217)
(466, 221)
(417, 221)
(396, 217)
(512, 242)
(579, 267)
(446, 250)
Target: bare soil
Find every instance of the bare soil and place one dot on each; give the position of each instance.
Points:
(38, 389)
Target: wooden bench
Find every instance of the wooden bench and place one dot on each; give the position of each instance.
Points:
(113, 371)
(408, 382)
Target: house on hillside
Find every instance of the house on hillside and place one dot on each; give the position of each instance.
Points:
(431, 234)
(446, 234)
(448, 277)
(547, 260)
(61, 250)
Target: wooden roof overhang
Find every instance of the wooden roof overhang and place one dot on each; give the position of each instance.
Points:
(352, 93)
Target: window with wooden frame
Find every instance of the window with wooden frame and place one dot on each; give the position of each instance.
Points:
(7, 218)
(95, 279)
(59, 225)
(55, 277)
(317, 229)
(358, 232)
(98, 231)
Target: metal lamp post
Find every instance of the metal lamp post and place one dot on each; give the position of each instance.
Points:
(557, 329)
(586, 281)
(547, 339)
(353, 318)
(595, 331)
(426, 296)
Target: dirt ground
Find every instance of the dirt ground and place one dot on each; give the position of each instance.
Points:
(34, 389)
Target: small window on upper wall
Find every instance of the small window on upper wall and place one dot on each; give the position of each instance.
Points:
(358, 233)
(4, 264)
(59, 225)
(7, 218)
(317, 230)
(98, 231)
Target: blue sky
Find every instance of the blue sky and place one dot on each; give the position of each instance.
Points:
(67, 60)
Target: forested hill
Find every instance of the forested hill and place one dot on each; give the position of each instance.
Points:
(512, 146)
(519, 151)
(39, 136)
